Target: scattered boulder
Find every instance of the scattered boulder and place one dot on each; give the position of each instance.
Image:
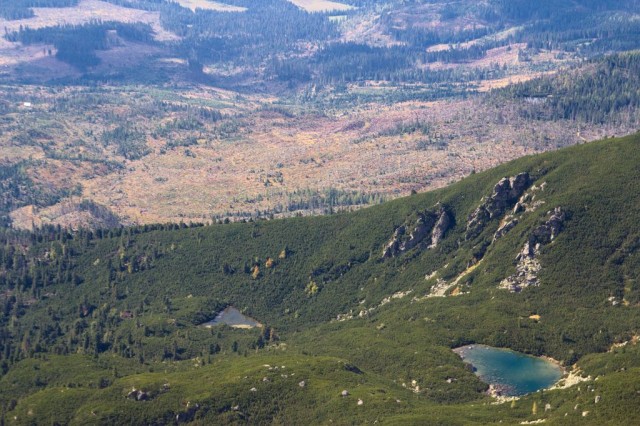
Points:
(302, 384)
(360, 402)
(428, 226)
(344, 393)
(505, 194)
(138, 395)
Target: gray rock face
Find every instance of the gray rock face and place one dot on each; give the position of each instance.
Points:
(421, 229)
(506, 227)
(546, 232)
(528, 266)
(429, 227)
(393, 246)
(440, 228)
(505, 194)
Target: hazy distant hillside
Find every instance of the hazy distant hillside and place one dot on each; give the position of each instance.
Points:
(262, 43)
(154, 154)
(199, 111)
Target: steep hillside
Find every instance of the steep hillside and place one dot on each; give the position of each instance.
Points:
(539, 255)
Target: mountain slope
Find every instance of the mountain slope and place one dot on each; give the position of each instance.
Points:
(364, 302)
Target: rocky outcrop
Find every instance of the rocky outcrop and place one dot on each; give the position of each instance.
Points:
(505, 194)
(507, 226)
(528, 201)
(392, 248)
(421, 229)
(546, 232)
(440, 228)
(427, 227)
(528, 266)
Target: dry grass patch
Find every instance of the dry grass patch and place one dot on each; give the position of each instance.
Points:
(256, 157)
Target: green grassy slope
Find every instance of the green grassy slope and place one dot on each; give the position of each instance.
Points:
(70, 355)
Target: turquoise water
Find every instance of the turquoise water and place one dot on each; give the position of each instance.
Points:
(511, 373)
(233, 317)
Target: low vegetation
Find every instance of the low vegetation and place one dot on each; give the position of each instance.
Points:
(105, 323)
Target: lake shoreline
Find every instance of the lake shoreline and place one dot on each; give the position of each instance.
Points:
(511, 374)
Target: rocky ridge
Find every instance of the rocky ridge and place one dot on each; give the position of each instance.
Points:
(528, 266)
(505, 194)
(428, 227)
(526, 204)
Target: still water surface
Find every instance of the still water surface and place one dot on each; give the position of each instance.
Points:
(510, 373)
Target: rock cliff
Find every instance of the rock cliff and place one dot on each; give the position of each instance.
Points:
(428, 227)
(505, 194)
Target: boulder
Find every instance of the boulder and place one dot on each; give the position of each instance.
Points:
(138, 395)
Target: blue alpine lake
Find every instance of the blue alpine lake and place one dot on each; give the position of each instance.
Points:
(508, 372)
(234, 318)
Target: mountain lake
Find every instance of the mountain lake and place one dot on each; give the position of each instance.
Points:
(510, 373)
